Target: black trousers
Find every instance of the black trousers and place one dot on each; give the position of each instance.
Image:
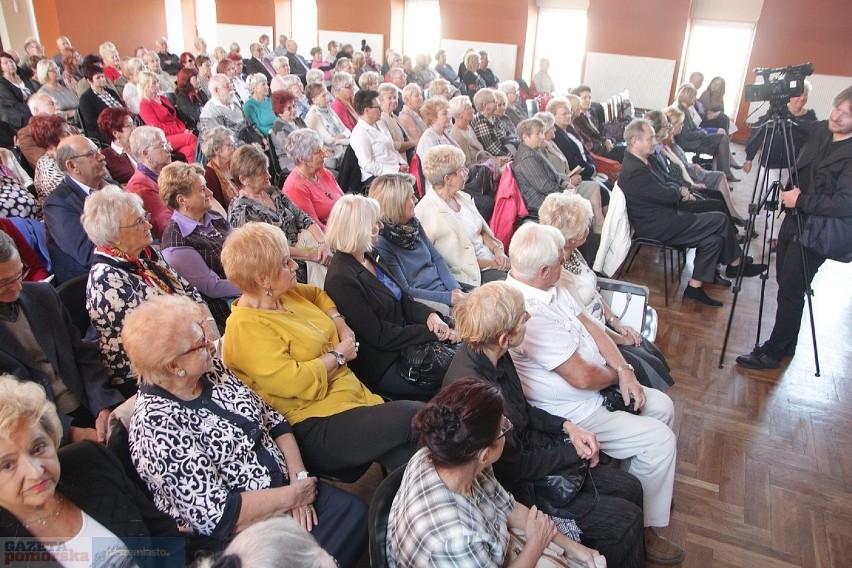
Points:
(792, 284)
(342, 527)
(711, 235)
(380, 433)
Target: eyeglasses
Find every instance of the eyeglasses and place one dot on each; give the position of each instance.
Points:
(289, 265)
(88, 154)
(141, 221)
(505, 427)
(25, 271)
(203, 343)
(165, 145)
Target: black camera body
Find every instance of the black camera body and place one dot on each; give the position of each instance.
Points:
(787, 82)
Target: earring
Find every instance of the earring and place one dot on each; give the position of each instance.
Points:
(181, 372)
(269, 293)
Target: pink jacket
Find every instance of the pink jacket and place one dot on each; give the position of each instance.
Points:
(508, 207)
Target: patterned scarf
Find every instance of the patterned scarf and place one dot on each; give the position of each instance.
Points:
(145, 267)
(332, 122)
(406, 235)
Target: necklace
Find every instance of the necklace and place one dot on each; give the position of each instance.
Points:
(43, 520)
(314, 179)
(575, 263)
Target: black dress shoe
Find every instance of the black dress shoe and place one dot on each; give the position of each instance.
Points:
(699, 295)
(749, 270)
(758, 359)
(720, 280)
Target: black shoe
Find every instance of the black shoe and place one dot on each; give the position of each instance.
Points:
(699, 295)
(758, 359)
(720, 280)
(736, 166)
(732, 179)
(749, 270)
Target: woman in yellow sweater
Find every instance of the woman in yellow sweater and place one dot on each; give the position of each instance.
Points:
(288, 342)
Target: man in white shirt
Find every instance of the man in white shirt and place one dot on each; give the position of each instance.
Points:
(564, 361)
(374, 149)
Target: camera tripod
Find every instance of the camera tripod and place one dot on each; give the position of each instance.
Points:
(766, 197)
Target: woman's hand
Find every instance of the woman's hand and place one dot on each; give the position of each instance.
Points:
(348, 348)
(584, 555)
(632, 336)
(303, 492)
(437, 326)
(576, 179)
(540, 531)
(323, 254)
(456, 296)
(501, 261)
(305, 516)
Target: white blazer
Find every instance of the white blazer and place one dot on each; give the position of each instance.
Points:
(615, 235)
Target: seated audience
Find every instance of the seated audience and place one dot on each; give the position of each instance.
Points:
(484, 124)
(535, 176)
(256, 63)
(218, 145)
(47, 131)
(608, 507)
(70, 65)
(589, 128)
(504, 124)
(450, 509)
(565, 359)
(440, 88)
(205, 70)
(14, 92)
(451, 221)
(373, 147)
(70, 249)
(189, 98)
(126, 271)
(34, 263)
(385, 318)
(445, 70)
(713, 103)
(77, 496)
(470, 76)
(568, 139)
(311, 187)
(156, 110)
(694, 139)
(95, 99)
(409, 116)
(389, 123)
(282, 69)
(192, 241)
(39, 104)
(166, 80)
(343, 90)
(516, 110)
(258, 107)
(461, 111)
(170, 62)
(153, 151)
(49, 75)
(542, 82)
(289, 343)
(222, 110)
(325, 122)
(116, 124)
(491, 80)
(286, 121)
(436, 115)
(369, 81)
(218, 487)
(403, 246)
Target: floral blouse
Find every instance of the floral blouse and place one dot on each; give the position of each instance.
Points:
(286, 215)
(117, 286)
(198, 456)
(15, 200)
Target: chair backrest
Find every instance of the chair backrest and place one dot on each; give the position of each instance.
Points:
(72, 293)
(378, 518)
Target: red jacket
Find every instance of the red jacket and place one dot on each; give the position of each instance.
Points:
(149, 191)
(162, 116)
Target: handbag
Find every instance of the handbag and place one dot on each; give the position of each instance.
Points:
(829, 237)
(554, 556)
(425, 365)
(607, 166)
(612, 401)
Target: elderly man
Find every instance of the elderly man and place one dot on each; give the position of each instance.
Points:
(566, 358)
(62, 43)
(222, 109)
(257, 64)
(39, 343)
(153, 153)
(40, 104)
(298, 65)
(169, 62)
(266, 51)
(67, 243)
(374, 149)
(654, 213)
(281, 47)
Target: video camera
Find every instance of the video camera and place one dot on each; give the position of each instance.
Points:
(788, 82)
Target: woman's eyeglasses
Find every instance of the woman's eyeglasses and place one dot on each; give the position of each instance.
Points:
(505, 427)
(146, 218)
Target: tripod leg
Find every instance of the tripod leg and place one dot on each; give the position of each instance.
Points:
(809, 292)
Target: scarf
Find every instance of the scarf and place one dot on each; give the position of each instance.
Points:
(406, 235)
(145, 267)
(332, 122)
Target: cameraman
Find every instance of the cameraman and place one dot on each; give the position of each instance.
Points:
(825, 176)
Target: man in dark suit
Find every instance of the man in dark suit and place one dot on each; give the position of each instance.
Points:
(652, 207)
(298, 65)
(39, 343)
(169, 62)
(67, 243)
(257, 64)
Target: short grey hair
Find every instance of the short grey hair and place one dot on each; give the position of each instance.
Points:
(27, 400)
(386, 88)
(369, 78)
(529, 127)
(409, 90)
(103, 212)
(289, 81)
(134, 66)
(218, 81)
(534, 246)
(482, 98)
(547, 119)
(144, 138)
(280, 61)
(314, 76)
(301, 143)
(438, 87)
(508, 85)
(635, 129)
(255, 80)
(341, 79)
(8, 249)
(214, 139)
(458, 104)
(37, 99)
(350, 224)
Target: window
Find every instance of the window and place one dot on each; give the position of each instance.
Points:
(561, 38)
(304, 19)
(720, 49)
(421, 27)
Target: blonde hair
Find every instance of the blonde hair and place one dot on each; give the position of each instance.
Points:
(557, 103)
(253, 250)
(439, 87)
(675, 115)
(440, 161)
(487, 313)
(144, 79)
(571, 214)
(350, 224)
(684, 93)
(392, 191)
(432, 108)
(178, 178)
(26, 400)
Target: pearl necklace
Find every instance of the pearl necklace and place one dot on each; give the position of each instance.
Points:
(43, 520)
(575, 263)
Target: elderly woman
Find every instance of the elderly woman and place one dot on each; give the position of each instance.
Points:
(608, 508)
(15, 199)
(156, 110)
(131, 90)
(218, 145)
(694, 139)
(189, 98)
(504, 124)
(74, 498)
(409, 116)
(436, 113)
(484, 125)
(450, 219)
(516, 110)
(470, 78)
(14, 92)
(116, 124)
(389, 123)
(325, 122)
(311, 187)
(112, 60)
(205, 70)
(440, 88)
(217, 485)
(461, 111)
(125, 271)
(49, 75)
(95, 99)
(444, 69)
(47, 131)
(258, 201)
(192, 241)
(388, 323)
(315, 77)
(258, 107)
(535, 176)
(343, 90)
(286, 121)
(571, 214)
(281, 65)
(369, 81)
(451, 481)
(71, 62)
(290, 344)
(567, 138)
(407, 251)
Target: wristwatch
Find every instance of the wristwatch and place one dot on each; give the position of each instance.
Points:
(341, 360)
(625, 367)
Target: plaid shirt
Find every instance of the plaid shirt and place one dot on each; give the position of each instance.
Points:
(430, 526)
(488, 135)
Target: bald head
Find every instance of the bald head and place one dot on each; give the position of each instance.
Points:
(78, 157)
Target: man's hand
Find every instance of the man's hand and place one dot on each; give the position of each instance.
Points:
(628, 385)
(102, 425)
(585, 442)
(789, 198)
(76, 434)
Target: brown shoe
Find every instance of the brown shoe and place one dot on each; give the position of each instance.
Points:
(660, 550)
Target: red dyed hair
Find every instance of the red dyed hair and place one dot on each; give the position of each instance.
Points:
(280, 100)
(46, 130)
(112, 120)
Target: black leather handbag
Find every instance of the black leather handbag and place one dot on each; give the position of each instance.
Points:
(425, 365)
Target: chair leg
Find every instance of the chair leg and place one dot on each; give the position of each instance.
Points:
(665, 277)
(632, 258)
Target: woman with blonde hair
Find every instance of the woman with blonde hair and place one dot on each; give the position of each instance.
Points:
(409, 116)
(48, 74)
(156, 110)
(131, 90)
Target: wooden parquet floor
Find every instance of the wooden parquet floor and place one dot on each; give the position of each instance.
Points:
(764, 469)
